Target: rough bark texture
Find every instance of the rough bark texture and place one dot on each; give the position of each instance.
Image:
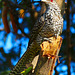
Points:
(46, 66)
(68, 40)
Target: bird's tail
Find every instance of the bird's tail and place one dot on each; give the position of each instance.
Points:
(27, 58)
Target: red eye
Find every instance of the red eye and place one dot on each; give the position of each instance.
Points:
(51, 0)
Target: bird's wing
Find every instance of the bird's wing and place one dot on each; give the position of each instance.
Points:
(36, 29)
(38, 25)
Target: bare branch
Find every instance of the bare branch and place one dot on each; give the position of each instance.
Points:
(46, 66)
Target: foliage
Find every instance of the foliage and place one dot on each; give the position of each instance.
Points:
(26, 71)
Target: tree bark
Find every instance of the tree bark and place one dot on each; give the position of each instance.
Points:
(68, 40)
(46, 66)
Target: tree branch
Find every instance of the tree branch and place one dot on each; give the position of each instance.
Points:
(68, 39)
(18, 5)
(46, 66)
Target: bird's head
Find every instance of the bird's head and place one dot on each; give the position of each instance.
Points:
(47, 0)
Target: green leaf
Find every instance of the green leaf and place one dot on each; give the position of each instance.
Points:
(26, 71)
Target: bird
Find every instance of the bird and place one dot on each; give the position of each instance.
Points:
(49, 24)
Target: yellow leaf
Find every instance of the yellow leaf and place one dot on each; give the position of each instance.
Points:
(21, 12)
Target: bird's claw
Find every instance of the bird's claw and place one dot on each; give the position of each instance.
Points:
(47, 39)
(55, 36)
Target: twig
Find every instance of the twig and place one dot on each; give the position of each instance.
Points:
(60, 62)
(21, 29)
(16, 21)
(18, 5)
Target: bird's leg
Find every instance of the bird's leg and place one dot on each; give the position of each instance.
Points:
(55, 36)
(47, 39)
(52, 57)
